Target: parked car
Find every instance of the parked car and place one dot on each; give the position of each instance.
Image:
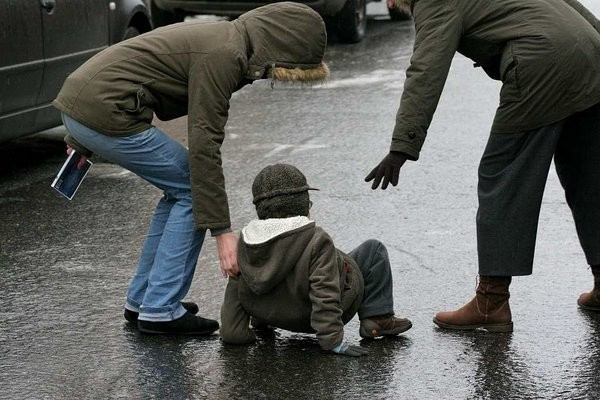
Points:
(347, 17)
(43, 41)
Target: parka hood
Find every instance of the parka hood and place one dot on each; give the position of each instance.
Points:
(286, 42)
(270, 248)
(401, 3)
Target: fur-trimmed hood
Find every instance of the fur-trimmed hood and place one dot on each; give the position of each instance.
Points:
(406, 5)
(286, 42)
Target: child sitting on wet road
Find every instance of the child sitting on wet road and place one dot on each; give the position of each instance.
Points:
(292, 276)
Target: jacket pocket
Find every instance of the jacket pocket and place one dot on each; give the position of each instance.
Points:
(143, 98)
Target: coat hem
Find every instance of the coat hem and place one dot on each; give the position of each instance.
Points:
(108, 132)
(500, 128)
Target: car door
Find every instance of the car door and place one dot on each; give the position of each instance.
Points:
(73, 30)
(21, 63)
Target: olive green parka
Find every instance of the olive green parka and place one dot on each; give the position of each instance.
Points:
(192, 69)
(546, 53)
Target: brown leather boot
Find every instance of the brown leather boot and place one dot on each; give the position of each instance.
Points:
(489, 309)
(591, 300)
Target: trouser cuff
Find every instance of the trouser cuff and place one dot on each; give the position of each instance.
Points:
(162, 314)
(374, 311)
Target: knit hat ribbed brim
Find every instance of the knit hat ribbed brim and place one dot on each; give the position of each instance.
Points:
(278, 180)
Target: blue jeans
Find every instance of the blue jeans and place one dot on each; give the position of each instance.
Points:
(172, 246)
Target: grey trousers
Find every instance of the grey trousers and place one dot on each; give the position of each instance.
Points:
(512, 177)
(374, 264)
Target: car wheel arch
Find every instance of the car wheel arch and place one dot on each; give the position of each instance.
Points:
(351, 21)
(129, 14)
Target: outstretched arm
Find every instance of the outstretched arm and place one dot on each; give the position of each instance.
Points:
(438, 33)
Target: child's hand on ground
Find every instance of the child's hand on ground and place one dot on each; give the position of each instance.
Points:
(348, 350)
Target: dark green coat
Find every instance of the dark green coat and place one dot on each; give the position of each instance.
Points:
(191, 69)
(545, 52)
(296, 280)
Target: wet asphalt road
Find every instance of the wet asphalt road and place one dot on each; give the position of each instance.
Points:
(66, 265)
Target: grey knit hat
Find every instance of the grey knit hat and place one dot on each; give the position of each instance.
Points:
(278, 180)
(281, 191)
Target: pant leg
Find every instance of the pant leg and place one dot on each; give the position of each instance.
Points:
(174, 265)
(577, 162)
(374, 264)
(171, 250)
(139, 282)
(512, 178)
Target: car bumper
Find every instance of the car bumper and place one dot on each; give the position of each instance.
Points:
(236, 8)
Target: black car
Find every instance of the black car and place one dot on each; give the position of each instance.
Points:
(43, 41)
(347, 17)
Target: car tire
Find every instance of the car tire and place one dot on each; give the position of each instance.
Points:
(397, 14)
(351, 22)
(162, 17)
(130, 32)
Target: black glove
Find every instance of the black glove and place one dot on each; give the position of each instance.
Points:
(346, 349)
(388, 169)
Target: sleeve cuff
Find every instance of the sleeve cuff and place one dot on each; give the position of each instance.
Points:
(407, 148)
(70, 140)
(219, 231)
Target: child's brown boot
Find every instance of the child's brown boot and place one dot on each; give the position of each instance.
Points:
(383, 325)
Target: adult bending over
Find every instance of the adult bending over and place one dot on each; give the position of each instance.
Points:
(547, 55)
(189, 68)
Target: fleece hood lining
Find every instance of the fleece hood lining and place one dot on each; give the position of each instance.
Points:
(262, 230)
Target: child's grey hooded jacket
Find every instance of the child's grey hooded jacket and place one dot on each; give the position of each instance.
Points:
(292, 277)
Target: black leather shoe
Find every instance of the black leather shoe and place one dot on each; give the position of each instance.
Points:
(132, 316)
(188, 324)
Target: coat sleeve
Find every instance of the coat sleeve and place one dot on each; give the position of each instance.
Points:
(438, 33)
(212, 81)
(235, 321)
(325, 295)
(585, 13)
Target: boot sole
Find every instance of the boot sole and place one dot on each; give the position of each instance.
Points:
(588, 308)
(392, 332)
(504, 327)
(132, 316)
(195, 333)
